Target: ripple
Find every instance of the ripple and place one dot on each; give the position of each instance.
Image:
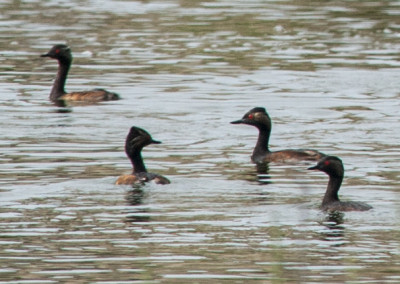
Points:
(328, 76)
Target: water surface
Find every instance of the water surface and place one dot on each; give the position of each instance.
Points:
(326, 72)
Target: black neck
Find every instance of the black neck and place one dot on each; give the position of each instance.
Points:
(331, 194)
(261, 148)
(59, 83)
(137, 162)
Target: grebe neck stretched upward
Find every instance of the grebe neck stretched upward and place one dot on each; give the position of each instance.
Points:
(259, 118)
(62, 53)
(333, 166)
(136, 140)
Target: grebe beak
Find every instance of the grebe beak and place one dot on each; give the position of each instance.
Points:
(237, 121)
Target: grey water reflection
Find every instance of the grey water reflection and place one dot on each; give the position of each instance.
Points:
(327, 72)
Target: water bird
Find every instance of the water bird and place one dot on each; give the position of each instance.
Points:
(259, 118)
(333, 166)
(62, 53)
(136, 140)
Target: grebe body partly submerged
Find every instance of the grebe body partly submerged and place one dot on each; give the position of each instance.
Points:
(259, 118)
(136, 140)
(62, 53)
(333, 167)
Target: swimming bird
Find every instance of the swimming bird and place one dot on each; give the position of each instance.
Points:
(135, 141)
(259, 118)
(62, 53)
(333, 166)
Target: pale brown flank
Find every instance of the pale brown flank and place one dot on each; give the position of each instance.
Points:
(127, 179)
(89, 96)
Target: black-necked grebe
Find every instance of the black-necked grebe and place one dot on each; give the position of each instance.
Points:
(135, 141)
(333, 166)
(259, 118)
(62, 53)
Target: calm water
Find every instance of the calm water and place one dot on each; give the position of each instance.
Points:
(328, 74)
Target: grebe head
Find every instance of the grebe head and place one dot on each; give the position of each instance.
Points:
(60, 52)
(331, 165)
(257, 117)
(137, 139)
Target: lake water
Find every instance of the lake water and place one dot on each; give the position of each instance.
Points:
(326, 71)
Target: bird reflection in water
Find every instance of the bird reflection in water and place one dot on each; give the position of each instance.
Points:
(263, 173)
(135, 197)
(335, 231)
(62, 107)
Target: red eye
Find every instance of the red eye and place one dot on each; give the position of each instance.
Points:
(251, 116)
(57, 51)
(326, 163)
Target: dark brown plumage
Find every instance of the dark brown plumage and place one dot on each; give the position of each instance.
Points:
(62, 54)
(136, 140)
(333, 166)
(259, 118)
